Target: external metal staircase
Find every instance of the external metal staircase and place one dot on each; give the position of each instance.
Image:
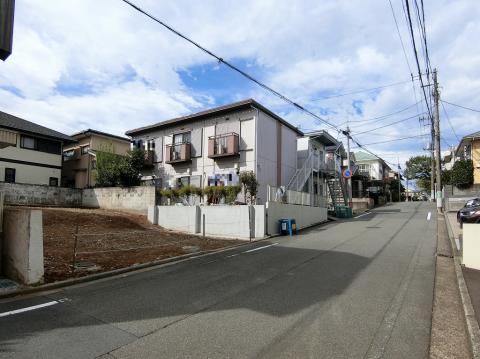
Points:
(337, 191)
(301, 175)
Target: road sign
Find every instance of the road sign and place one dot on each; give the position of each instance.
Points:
(346, 173)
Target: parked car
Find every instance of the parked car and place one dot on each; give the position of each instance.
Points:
(470, 213)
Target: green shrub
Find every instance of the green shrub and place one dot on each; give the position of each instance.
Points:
(250, 185)
(462, 174)
(231, 193)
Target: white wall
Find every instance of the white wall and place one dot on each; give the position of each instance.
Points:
(471, 245)
(304, 216)
(22, 249)
(180, 218)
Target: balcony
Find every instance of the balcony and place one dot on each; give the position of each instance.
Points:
(223, 145)
(71, 155)
(177, 153)
(149, 155)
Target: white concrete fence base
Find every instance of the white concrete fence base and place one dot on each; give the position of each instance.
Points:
(471, 245)
(22, 250)
(242, 222)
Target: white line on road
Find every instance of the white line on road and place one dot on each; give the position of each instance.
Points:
(26, 309)
(429, 215)
(258, 248)
(361, 215)
(457, 243)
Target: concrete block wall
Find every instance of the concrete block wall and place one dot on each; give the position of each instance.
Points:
(131, 198)
(471, 245)
(22, 247)
(220, 221)
(40, 195)
(304, 216)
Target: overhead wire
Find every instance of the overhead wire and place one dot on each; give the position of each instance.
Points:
(388, 125)
(231, 66)
(450, 122)
(457, 105)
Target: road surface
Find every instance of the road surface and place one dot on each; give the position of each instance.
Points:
(356, 289)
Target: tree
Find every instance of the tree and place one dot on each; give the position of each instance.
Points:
(250, 185)
(462, 173)
(114, 170)
(394, 190)
(447, 177)
(419, 169)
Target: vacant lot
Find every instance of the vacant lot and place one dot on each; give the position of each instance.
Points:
(109, 240)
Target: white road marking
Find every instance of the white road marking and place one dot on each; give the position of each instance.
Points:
(361, 215)
(258, 248)
(232, 255)
(429, 215)
(26, 309)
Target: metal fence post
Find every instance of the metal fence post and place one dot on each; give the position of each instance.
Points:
(203, 225)
(74, 248)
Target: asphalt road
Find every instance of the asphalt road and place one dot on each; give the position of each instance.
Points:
(356, 289)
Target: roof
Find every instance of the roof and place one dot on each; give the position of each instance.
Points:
(216, 111)
(364, 156)
(323, 136)
(465, 140)
(18, 124)
(90, 131)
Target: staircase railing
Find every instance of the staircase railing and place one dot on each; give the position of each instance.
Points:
(312, 163)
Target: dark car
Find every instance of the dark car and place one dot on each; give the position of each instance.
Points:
(470, 213)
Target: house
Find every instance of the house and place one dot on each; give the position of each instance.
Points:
(449, 159)
(319, 159)
(30, 153)
(79, 159)
(212, 147)
(469, 149)
(376, 174)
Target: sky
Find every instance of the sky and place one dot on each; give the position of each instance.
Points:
(81, 64)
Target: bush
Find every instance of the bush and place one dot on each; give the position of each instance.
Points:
(250, 185)
(231, 193)
(462, 174)
(114, 170)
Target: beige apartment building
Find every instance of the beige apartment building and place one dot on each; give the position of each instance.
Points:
(79, 159)
(30, 153)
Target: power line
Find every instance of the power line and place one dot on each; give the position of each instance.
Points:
(380, 118)
(231, 66)
(464, 107)
(360, 91)
(449, 122)
(393, 140)
(390, 124)
(400, 37)
(416, 57)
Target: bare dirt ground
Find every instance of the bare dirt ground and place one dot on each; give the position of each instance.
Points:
(109, 240)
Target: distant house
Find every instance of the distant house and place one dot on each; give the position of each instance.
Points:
(212, 147)
(30, 153)
(376, 174)
(469, 149)
(79, 159)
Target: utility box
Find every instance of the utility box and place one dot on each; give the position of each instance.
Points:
(287, 226)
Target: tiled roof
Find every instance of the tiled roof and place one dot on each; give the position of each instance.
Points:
(364, 156)
(15, 123)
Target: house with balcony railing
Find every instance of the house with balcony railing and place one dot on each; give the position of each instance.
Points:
(211, 148)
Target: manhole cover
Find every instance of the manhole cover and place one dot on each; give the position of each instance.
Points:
(190, 249)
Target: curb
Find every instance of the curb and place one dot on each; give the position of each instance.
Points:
(470, 319)
(115, 272)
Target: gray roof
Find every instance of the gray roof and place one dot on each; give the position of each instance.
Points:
(18, 124)
(323, 136)
(90, 131)
(217, 111)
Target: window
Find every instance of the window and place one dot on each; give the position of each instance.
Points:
(41, 144)
(84, 150)
(10, 175)
(53, 181)
(28, 142)
(151, 145)
(181, 138)
(94, 164)
(183, 181)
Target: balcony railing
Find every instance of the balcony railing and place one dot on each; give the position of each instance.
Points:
(223, 145)
(71, 155)
(177, 153)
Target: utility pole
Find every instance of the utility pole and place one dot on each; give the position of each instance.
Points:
(436, 127)
(399, 181)
(349, 179)
(432, 163)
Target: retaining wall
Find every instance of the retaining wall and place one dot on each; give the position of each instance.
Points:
(131, 198)
(22, 247)
(304, 216)
(362, 204)
(40, 195)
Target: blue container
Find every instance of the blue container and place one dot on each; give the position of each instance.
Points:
(287, 226)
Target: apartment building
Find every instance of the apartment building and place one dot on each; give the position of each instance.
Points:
(79, 166)
(30, 153)
(469, 149)
(212, 147)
